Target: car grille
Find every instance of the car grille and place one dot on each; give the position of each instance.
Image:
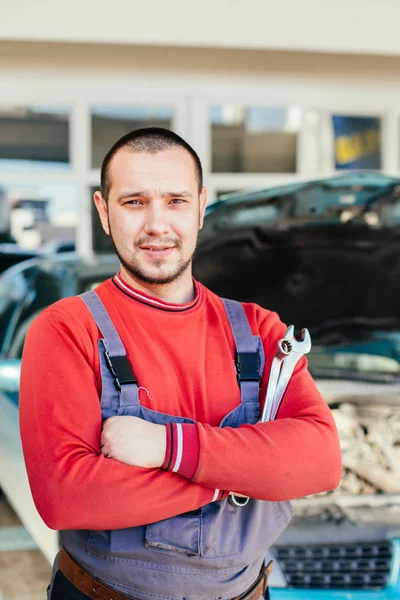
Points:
(363, 565)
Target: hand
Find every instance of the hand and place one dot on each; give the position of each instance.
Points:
(134, 441)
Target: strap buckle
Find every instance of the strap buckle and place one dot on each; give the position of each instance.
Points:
(247, 366)
(121, 370)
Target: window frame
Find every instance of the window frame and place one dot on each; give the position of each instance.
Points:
(311, 162)
(81, 174)
(190, 102)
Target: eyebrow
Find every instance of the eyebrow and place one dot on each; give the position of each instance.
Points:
(146, 194)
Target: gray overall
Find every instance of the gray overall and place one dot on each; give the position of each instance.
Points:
(213, 553)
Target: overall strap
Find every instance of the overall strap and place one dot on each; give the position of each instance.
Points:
(125, 382)
(249, 354)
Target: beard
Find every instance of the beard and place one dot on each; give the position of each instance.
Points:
(138, 272)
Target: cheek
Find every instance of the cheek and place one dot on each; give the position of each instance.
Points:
(188, 225)
(123, 226)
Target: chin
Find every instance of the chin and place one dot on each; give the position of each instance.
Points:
(157, 278)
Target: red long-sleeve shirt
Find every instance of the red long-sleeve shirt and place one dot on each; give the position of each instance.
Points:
(183, 359)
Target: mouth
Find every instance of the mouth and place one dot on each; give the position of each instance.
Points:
(157, 251)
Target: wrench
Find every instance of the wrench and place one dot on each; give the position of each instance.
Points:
(284, 349)
(289, 353)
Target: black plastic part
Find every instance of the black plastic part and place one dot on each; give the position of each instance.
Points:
(121, 370)
(247, 366)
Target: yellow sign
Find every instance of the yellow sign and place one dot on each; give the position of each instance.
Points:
(358, 145)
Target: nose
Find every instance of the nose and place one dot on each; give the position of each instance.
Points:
(156, 222)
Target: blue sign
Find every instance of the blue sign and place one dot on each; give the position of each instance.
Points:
(357, 142)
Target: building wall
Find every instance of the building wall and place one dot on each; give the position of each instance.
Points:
(340, 26)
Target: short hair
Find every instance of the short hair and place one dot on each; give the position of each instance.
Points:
(151, 140)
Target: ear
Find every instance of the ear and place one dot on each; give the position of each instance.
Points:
(203, 204)
(102, 209)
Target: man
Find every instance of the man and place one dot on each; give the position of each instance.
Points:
(133, 458)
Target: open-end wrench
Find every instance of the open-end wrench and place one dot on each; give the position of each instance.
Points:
(289, 353)
(284, 349)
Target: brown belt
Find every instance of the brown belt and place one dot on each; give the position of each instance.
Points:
(96, 590)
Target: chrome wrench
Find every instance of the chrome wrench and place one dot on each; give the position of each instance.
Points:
(284, 349)
(289, 353)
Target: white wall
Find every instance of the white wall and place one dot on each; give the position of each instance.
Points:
(354, 26)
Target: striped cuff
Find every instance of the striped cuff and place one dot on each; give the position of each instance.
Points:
(220, 495)
(183, 449)
(182, 453)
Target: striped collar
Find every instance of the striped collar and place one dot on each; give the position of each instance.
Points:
(156, 302)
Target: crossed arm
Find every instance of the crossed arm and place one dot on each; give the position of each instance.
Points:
(76, 487)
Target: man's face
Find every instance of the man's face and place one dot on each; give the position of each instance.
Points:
(154, 213)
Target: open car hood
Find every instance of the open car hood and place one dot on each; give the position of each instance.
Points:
(324, 254)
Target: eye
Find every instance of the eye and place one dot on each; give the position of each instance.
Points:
(177, 201)
(133, 202)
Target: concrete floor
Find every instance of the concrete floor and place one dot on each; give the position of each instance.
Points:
(24, 573)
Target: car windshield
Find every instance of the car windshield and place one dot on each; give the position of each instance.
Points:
(354, 351)
(359, 361)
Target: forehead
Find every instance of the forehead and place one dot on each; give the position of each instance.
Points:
(168, 170)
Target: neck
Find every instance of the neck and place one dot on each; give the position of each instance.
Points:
(179, 291)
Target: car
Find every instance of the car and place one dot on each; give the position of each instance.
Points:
(343, 545)
(325, 255)
(58, 246)
(25, 290)
(12, 254)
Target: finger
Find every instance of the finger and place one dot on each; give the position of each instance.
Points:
(105, 425)
(104, 437)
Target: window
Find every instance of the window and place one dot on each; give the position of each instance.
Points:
(357, 142)
(254, 139)
(110, 123)
(34, 137)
